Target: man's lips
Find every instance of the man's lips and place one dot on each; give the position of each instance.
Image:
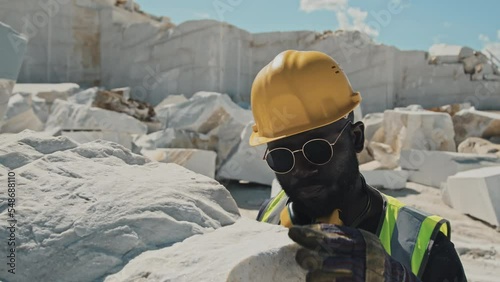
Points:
(311, 191)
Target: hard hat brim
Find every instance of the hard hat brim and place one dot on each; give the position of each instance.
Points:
(256, 140)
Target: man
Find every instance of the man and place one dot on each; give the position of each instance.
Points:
(302, 104)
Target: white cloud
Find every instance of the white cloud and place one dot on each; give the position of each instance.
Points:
(349, 18)
(447, 24)
(484, 38)
(314, 5)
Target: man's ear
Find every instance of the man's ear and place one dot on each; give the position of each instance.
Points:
(358, 131)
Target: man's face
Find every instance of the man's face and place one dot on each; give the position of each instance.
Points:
(317, 190)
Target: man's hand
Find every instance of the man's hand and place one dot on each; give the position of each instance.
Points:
(339, 253)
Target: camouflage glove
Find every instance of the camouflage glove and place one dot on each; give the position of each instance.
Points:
(340, 253)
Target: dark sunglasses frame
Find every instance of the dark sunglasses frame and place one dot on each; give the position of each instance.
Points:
(302, 150)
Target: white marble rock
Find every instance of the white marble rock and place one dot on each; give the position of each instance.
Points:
(477, 193)
(473, 123)
(387, 179)
(246, 163)
(93, 207)
(122, 138)
(199, 161)
(66, 115)
(432, 168)
(245, 251)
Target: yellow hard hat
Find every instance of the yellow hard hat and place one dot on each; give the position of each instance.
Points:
(296, 92)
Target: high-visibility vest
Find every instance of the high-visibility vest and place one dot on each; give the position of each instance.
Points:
(407, 234)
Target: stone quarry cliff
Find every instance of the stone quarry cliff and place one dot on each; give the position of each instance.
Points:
(99, 42)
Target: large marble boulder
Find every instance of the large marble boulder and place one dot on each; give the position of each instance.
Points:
(432, 168)
(477, 193)
(474, 123)
(245, 251)
(92, 208)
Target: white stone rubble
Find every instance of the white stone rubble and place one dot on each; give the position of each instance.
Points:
(13, 47)
(171, 100)
(20, 115)
(85, 97)
(474, 145)
(477, 193)
(245, 251)
(246, 162)
(199, 161)
(432, 168)
(212, 114)
(473, 123)
(68, 116)
(413, 128)
(91, 208)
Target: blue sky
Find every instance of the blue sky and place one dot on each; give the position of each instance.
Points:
(406, 24)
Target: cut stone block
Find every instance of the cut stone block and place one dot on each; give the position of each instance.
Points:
(199, 161)
(246, 163)
(432, 168)
(212, 114)
(71, 116)
(415, 128)
(49, 92)
(174, 138)
(448, 54)
(387, 179)
(473, 123)
(477, 193)
(86, 136)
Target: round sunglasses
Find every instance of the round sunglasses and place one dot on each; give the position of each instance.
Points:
(317, 151)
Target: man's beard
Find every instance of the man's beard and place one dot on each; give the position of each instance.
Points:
(320, 197)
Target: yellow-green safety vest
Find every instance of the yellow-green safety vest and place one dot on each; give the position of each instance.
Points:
(407, 234)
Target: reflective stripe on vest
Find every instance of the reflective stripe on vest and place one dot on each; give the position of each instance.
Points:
(272, 212)
(406, 234)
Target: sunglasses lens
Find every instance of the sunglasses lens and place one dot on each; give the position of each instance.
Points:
(280, 160)
(318, 151)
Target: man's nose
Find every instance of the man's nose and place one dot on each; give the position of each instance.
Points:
(300, 172)
(304, 168)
